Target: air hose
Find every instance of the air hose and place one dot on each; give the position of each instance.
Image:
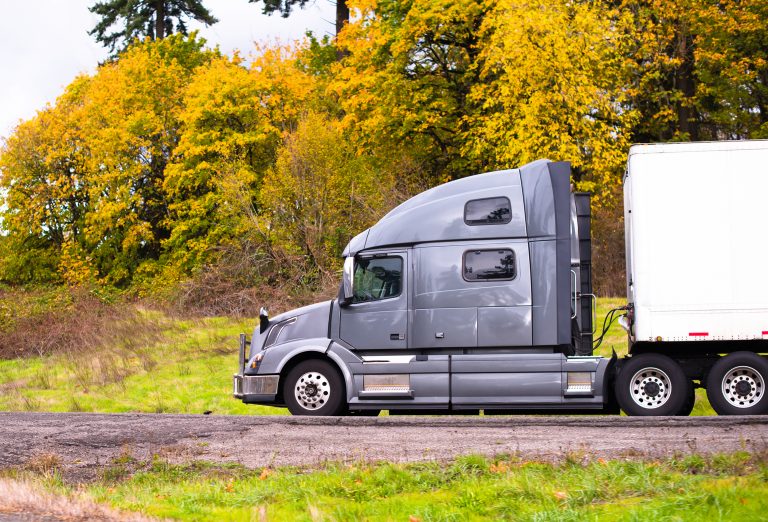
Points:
(610, 317)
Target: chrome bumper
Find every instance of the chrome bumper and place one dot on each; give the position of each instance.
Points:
(245, 385)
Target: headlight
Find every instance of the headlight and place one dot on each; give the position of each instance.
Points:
(274, 333)
(256, 361)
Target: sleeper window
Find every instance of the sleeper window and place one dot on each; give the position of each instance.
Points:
(488, 211)
(377, 278)
(489, 265)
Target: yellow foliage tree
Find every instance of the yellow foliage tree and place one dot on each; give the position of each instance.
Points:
(551, 87)
(319, 194)
(46, 187)
(132, 128)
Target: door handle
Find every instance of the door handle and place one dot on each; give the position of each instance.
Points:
(575, 293)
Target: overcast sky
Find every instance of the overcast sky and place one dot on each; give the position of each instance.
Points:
(44, 44)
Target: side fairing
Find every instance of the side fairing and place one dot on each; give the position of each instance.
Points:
(546, 191)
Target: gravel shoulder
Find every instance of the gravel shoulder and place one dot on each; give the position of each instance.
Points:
(86, 443)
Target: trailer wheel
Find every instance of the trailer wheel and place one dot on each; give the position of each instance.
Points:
(314, 387)
(652, 384)
(736, 384)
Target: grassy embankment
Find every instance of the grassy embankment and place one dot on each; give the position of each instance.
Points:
(149, 362)
(728, 487)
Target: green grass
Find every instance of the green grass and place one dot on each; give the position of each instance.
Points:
(730, 487)
(616, 337)
(186, 369)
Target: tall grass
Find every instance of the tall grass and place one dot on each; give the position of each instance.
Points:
(31, 502)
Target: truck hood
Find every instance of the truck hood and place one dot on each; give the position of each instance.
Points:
(322, 308)
(311, 322)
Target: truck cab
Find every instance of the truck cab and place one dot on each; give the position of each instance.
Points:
(472, 295)
(476, 295)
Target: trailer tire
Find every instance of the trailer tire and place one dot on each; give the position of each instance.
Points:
(314, 387)
(652, 384)
(736, 384)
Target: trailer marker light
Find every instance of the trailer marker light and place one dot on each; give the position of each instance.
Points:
(698, 334)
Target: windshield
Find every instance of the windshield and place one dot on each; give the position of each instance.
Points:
(377, 278)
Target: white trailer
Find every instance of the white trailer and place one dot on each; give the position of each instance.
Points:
(696, 224)
(696, 218)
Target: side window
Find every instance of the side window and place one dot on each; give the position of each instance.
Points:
(488, 211)
(489, 265)
(377, 278)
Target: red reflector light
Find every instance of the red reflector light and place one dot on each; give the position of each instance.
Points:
(698, 334)
(765, 332)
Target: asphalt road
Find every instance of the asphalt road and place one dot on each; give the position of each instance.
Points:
(85, 443)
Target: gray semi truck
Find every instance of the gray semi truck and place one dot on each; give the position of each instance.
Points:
(477, 295)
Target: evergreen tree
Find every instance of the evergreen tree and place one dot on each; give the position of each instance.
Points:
(123, 20)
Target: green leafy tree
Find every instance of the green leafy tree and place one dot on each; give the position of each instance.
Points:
(124, 20)
(732, 68)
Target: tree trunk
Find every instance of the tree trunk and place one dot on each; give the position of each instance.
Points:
(687, 119)
(342, 14)
(159, 19)
(342, 18)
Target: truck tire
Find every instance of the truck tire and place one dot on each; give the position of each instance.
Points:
(652, 384)
(315, 387)
(736, 384)
(688, 406)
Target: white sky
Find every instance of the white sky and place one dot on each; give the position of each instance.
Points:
(44, 44)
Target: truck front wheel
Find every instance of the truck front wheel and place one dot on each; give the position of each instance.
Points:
(652, 384)
(736, 384)
(314, 387)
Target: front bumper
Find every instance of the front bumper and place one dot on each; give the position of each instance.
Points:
(256, 389)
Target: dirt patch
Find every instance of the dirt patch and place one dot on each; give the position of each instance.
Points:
(89, 445)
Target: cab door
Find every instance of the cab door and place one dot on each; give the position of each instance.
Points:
(377, 317)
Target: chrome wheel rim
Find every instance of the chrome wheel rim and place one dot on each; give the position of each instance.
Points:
(312, 391)
(743, 387)
(650, 388)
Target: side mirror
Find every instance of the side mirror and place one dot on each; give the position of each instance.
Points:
(263, 320)
(346, 292)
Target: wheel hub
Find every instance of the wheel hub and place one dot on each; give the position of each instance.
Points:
(743, 387)
(312, 390)
(650, 388)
